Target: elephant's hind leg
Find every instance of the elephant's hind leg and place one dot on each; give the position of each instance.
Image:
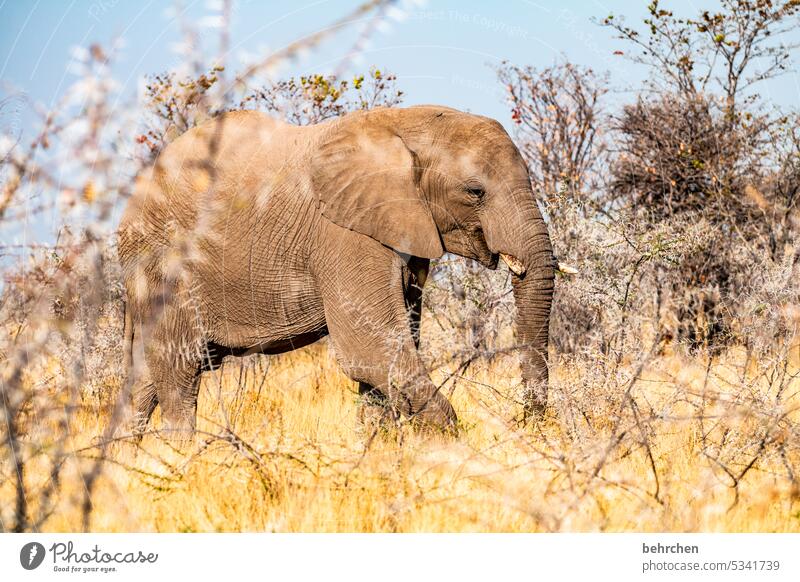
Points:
(144, 401)
(139, 388)
(415, 273)
(175, 360)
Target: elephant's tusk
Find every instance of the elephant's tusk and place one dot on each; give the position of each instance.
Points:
(514, 264)
(565, 269)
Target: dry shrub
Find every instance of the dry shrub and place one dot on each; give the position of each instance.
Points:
(682, 157)
(315, 98)
(642, 434)
(677, 207)
(60, 340)
(702, 145)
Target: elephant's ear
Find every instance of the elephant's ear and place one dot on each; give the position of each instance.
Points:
(365, 179)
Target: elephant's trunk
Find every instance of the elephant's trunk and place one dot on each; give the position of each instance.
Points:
(521, 239)
(533, 295)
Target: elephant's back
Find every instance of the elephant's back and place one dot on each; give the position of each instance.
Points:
(227, 144)
(210, 182)
(232, 154)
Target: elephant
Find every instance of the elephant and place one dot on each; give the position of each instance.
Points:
(249, 235)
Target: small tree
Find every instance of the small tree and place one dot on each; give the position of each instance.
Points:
(727, 51)
(176, 105)
(685, 154)
(559, 126)
(314, 98)
(558, 116)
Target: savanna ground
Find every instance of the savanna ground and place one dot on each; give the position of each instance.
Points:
(675, 350)
(279, 449)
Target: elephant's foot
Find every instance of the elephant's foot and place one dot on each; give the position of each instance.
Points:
(377, 418)
(534, 404)
(375, 412)
(436, 417)
(130, 427)
(178, 431)
(532, 414)
(133, 427)
(143, 406)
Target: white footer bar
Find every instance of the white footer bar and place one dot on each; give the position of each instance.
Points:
(402, 557)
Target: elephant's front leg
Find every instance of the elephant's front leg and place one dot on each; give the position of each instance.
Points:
(375, 410)
(367, 317)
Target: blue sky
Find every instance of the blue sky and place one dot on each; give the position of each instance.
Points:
(443, 51)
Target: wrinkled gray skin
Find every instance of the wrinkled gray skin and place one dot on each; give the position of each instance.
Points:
(250, 235)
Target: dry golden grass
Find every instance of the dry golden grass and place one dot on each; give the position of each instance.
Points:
(295, 459)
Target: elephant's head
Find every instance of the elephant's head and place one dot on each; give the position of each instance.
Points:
(428, 180)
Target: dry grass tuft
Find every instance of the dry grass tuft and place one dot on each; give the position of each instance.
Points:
(279, 449)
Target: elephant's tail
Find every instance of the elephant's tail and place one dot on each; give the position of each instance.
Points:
(127, 332)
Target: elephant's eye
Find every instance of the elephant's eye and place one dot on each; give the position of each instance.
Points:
(475, 191)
